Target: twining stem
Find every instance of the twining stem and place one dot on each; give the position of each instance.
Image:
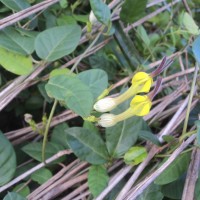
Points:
(190, 100)
(55, 101)
(187, 135)
(85, 52)
(47, 130)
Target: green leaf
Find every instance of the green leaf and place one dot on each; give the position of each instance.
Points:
(123, 135)
(73, 92)
(58, 136)
(174, 190)
(41, 176)
(63, 3)
(34, 150)
(97, 179)
(63, 71)
(151, 193)
(81, 18)
(132, 10)
(12, 40)
(7, 160)
(102, 61)
(149, 136)
(23, 169)
(23, 190)
(101, 11)
(175, 170)
(16, 5)
(196, 49)
(65, 20)
(13, 196)
(135, 155)
(197, 123)
(95, 79)
(87, 145)
(190, 24)
(41, 88)
(91, 126)
(15, 63)
(57, 42)
(143, 35)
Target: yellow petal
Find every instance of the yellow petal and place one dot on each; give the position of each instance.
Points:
(141, 105)
(139, 77)
(142, 82)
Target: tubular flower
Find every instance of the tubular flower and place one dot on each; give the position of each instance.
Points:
(139, 106)
(141, 82)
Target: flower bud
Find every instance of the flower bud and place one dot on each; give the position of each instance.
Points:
(92, 18)
(105, 105)
(107, 120)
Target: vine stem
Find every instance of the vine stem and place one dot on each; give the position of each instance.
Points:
(47, 130)
(56, 101)
(190, 99)
(85, 52)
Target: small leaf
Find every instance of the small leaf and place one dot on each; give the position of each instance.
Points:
(23, 190)
(41, 176)
(63, 3)
(41, 88)
(135, 155)
(168, 138)
(7, 160)
(95, 79)
(87, 145)
(196, 49)
(81, 18)
(15, 63)
(132, 10)
(97, 179)
(149, 136)
(63, 71)
(190, 24)
(175, 170)
(101, 11)
(73, 92)
(34, 150)
(58, 136)
(197, 123)
(56, 42)
(143, 35)
(13, 196)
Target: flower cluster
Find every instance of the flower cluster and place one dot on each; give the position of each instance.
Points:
(140, 104)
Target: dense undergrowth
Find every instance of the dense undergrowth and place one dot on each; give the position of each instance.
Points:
(99, 99)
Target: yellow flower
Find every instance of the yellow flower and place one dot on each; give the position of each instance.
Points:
(141, 82)
(139, 106)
